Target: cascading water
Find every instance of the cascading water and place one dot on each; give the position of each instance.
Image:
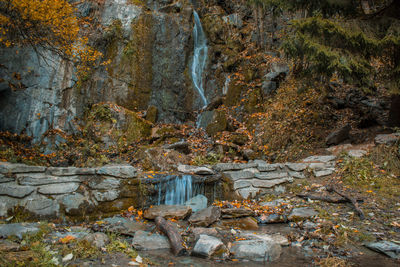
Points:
(177, 190)
(199, 57)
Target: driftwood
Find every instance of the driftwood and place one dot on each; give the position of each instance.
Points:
(324, 198)
(174, 237)
(349, 198)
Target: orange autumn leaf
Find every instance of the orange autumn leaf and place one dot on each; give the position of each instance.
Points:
(67, 239)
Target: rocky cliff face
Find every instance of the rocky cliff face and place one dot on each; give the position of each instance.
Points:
(149, 45)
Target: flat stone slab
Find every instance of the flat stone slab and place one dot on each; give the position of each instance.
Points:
(44, 179)
(210, 247)
(8, 246)
(119, 171)
(104, 183)
(222, 167)
(236, 213)
(278, 238)
(273, 203)
(67, 171)
(269, 167)
(302, 213)
(386, 247)
(297, 167)
(244, 223)
(271, 175)
(7, 167)
(4, 179)
(57, 189)
(18, 229)
(205, 217)
(322, 173)
(188, 169)
(320, 158)
(43, 206)
(106, 195)
(168, 211)
(149, 241)
(357, 153)
(270, 183)
(298, 175)
(256, 250)
(124, 226)
(241, 184)
(14, 190)
(248, 192)
(237, 175)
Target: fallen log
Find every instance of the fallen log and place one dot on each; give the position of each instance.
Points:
(324, 198)
(172, 232)
(349, 198)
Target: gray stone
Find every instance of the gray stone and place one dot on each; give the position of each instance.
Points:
(241, 184)
(271, 183)
(271, 218)
(234, 19)
(268, 167)
(252, 170)
(302, 213)
(44, 179)
(237, 175)
(124, 226)
(222, 167)
(210, 247)
(322, 173)
(386, 247)
(42, 206)
(298, 175)
(297, 167)
(14, 190)
(197, 203)
(67, 171)
(320, 158)
(4, 179)
(107, 195)
(271, 175)
(277, 238)
(122, 10)
(168, 211)
(18, 229)
(119, 171)
(309, 225)
(181, 146)
(104, 183)
(7, 167)
(386, 139)
(74, 203)
(248, 192)
(317, 166)
(57, 189)
(205, 217)
(197, 231)
(273, 203)
(357, 153)
(7, 203)
(99, 240)
(188, 169)
(256, 250)
(149, 241)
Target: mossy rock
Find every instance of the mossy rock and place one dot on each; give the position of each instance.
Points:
(239, 138)
(218, 124)
(151, 114)
(234, 94)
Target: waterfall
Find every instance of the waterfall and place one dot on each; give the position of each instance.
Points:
(199, 57)
(226, 85)
(176, 190)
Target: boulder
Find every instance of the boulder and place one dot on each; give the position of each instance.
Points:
(119, 171)
(386, 247)
(205, 217)
(230, 213)
(387, 139)
(271, 218)
(197, 203)
(256, 250)
(99, 240)
(43, 206)
(210, 247)
(76, 204)
(149, 241)
(197, 231)
(168, 211)
(18, 229)
(338, 136)
(181, 146)
(302, 213)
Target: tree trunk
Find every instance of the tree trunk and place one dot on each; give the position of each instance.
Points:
(174, 237)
